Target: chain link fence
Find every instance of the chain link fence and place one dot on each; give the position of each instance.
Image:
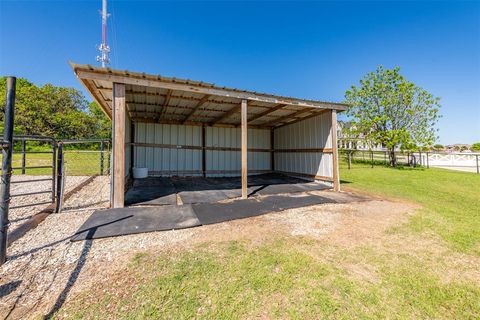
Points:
(86, 157)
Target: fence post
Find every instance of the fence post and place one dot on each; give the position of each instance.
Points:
(349, 157)
(476, 158)
(101, 158)
(385, 157)
(428, 164)
(54, 168)
(108, 159)
(24, 156)
(371, 156)
(6, 166)
(60, 166)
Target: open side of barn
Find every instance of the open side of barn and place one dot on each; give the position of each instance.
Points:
(184, 128)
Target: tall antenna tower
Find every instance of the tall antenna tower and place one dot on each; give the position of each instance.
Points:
(104, 48)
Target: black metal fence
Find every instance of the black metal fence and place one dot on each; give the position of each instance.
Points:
(465, 161)
(43, 164)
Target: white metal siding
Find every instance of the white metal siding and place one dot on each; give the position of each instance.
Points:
(231, 160)
(166, 161)
(311, 133)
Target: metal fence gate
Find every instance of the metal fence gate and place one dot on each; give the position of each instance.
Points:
(40, 162)
(80, 158)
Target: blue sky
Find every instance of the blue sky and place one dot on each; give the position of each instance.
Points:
(311, 50)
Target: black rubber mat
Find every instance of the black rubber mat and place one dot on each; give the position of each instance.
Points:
(219, 212)
(163, 190)
(271, 189)
(151, 191)
(117, 222)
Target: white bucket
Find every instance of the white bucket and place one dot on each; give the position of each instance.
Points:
(140, 173)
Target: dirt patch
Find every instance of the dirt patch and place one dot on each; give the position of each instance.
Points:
(351, 224)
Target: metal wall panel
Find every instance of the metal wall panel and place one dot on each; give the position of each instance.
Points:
(310, 133)
(231, 160)
(166, 161)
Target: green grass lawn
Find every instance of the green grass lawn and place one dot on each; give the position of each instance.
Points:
(306, 278)
(450, 199)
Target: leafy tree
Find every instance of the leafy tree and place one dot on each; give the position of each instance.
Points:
(386, 108)
(58, 112)
(102, 125)
(438, 147)
(476, 147)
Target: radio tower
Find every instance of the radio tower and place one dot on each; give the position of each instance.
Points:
(104, 48)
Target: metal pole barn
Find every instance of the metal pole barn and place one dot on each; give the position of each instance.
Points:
(6, 166)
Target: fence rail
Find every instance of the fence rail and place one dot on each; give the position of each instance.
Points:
(464, 161)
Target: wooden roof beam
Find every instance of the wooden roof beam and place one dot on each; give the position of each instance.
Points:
(200, 103)
(165, 103)
(273, 122)
(301, 119)
(158, 94)
(193, 123)
(227, 115)
(259, 115)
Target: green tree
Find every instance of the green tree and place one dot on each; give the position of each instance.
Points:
(476, 147)
(54, 111)
(103, 125)
(386, 108)
(438, 147)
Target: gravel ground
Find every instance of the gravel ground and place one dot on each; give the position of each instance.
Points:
(43, 265)
(19, 215)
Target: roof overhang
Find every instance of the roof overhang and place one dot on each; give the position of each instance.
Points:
(154, 98)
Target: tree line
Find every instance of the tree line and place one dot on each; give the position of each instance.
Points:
(54, 111)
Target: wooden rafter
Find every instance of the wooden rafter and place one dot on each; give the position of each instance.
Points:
(194, 123)
(283, 118)
(270, 110)
(214, 99)
(163, 110)
(197, 106)
(314, 114)
(227, 115)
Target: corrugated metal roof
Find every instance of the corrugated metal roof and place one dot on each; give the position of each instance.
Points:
(161, 99)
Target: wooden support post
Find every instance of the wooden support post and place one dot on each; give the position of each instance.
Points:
(132, 149)
(244, 149)
(204, 153)
(118, 145)
(336, 175)
(272, 147)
